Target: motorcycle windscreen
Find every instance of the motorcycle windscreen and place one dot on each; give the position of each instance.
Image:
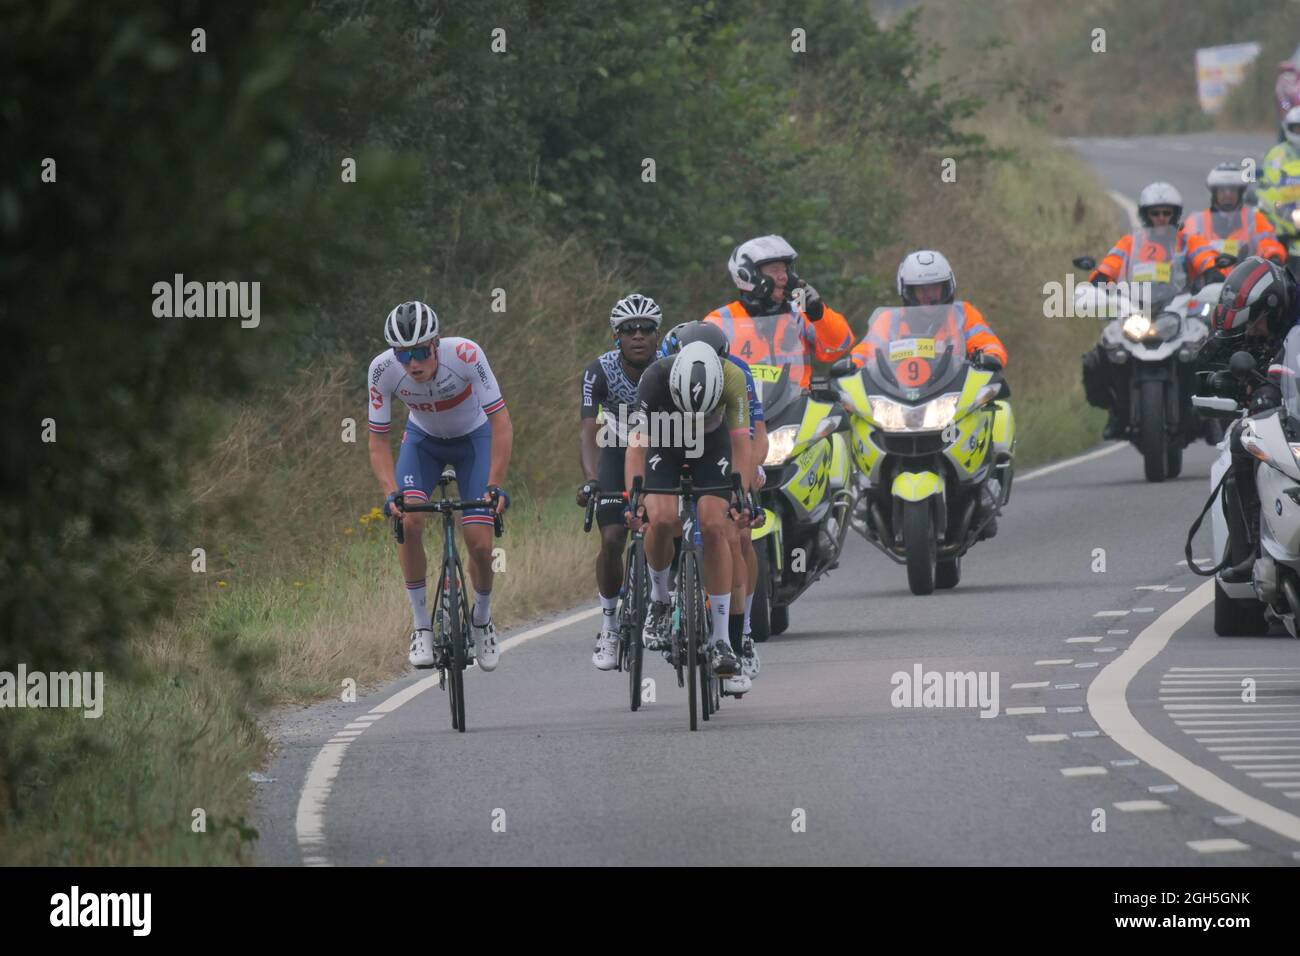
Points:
(1289, 373)
(1154, 271)
(919, 351)
(772, 341)
(775, 389)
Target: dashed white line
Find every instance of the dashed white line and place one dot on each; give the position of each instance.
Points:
(1220, 845)
(1046, 738)
(1140, 806)
(1108, 705)
(1083, 771)
(1022, 711)
(1082, 640)
(1063, 660)
(1029, 685)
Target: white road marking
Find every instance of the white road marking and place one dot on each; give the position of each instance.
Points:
(1109, 708)
(1083, 771)
(1088, 664)
(1078, 460)
(1069, 710)
(1177, 590)
(324, 768)
(1129, 206)
(1065, 686)
(1138, 806)
(1126, 762)
(1027, 685)
(1220, 845)
(1118, 630)
(1104, 650)
(1079, 640)
(1064, 660)
(1144, 610)
(1151, 587)
(1085, 733)
(1046, 738)
(1162, 788)
(1019, 711)
(1110, 614)
(1230, 820)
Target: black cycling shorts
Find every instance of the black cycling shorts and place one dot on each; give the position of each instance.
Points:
(609, 505)
(711, 469)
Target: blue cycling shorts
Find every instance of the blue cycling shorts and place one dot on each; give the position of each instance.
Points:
(423, 457)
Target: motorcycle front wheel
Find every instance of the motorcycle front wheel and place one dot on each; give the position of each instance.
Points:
(1151, 431)
(918, 540)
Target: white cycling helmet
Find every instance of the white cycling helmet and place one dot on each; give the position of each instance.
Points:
(1160, 194)
(1291, 126)
(410, 324)
(695, 380)
(635, 306)
(925, 267)
(1227, 176)
(747, 257)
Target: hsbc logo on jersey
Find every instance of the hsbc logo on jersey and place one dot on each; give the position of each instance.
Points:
(466, 353)
(376, 397)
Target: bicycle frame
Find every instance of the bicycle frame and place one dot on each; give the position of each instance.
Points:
(451, 648)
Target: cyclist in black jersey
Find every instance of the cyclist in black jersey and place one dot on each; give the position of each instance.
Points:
(609, 387)
(690, 407)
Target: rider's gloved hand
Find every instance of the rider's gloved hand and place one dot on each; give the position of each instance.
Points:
(586, 491)
(813, 306)
(503, 499)
(389, 502)
(986, 361)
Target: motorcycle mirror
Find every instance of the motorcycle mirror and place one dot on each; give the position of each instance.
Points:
(1213, 406)
(842, 367)
(1085, 262)
(1241, 364)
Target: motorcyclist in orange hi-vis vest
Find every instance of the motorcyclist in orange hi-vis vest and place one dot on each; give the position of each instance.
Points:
(1229, 225)
(797, 325)
(925, 278)
(1159, 204)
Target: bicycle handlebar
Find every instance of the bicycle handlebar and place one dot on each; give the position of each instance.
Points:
(446, 506)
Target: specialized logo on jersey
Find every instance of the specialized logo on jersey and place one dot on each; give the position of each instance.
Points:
(376, 397)
(722, 463)
(466, 352)
(654, 461)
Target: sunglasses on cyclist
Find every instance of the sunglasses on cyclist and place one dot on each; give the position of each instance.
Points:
(1162, 213)
(417, 354)
(632, 328)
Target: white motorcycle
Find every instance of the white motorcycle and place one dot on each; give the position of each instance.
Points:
(1273, 437)
(1156, 329)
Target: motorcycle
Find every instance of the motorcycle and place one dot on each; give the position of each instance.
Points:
(806, 494)
(932, 443)
(1155, 331)
(1273, 437)
(1289, 215)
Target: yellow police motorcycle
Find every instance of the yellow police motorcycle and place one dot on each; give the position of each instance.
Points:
(807, 493)
(932, 443)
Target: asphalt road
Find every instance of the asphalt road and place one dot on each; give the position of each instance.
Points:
(816, 765)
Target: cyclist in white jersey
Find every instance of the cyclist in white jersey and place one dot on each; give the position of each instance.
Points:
(457, 417)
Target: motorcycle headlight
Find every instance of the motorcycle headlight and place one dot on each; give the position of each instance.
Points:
(780, 443)
(1136, 326)
(932, 416)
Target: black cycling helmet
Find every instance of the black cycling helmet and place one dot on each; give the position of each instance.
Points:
(1256, 296)
(688, 332)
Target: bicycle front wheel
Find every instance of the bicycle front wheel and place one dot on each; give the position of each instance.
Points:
(688, 593)
(458, 627)
(634, 621)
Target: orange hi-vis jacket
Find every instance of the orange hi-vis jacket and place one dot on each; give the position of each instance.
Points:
(1245, 232)
(828, 338)
(1194, 254)
(979, 336)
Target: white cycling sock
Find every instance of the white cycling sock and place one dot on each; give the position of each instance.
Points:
(719, 603)
(417, 592)
(482, 609)
(749, 603)
(659, 581)
(608, 610)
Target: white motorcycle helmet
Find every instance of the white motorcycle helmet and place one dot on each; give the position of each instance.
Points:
(1160, 194)
(1227, 176)
(695, 380)
(747, 257)
(925, 267)
(1291, 126)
